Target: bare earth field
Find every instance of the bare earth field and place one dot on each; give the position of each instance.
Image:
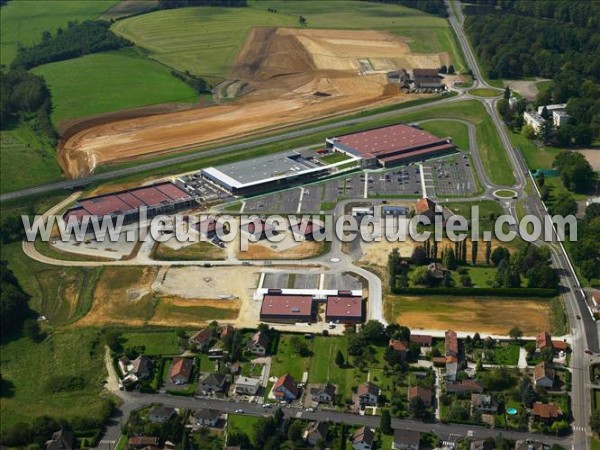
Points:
(495, 316)
(593, 157)
(290, 75)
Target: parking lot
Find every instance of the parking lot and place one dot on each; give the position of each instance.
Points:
(335, 281)
(452, 176)
(402, 181)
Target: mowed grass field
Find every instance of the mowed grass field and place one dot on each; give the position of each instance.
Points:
(446, 128)
(23, 21)
(206, 40)
(110, 81)
(485, 315)
(26, 159)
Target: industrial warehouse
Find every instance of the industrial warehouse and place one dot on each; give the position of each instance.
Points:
(162, 198)
(380, 147)
(297, 306)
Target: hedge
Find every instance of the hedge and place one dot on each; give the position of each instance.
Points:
(478, 292)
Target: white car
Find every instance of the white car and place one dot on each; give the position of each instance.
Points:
(267, 405)
(239, 411)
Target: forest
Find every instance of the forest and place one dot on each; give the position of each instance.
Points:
(91, 36)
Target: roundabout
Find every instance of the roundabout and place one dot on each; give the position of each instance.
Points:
(505, 194)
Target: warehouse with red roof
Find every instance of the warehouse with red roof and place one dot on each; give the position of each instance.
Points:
(285, 308)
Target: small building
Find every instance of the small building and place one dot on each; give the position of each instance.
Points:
(205, 417)
(212, 383)
(322, 393)
(258, 344)
(437, 270)
(315, 432)
(552, 108)
(247, 385)
(284, 308)
(451, 367)
(560, 118)
(142, 441)
(399, 76)
(543, 375)
(451, 343)
(426, 207)
(181, 370)
(141, 367)
(257, 229)
(406, 440)
(62, 439)
(543, 340)
(530, 445)
(427, 79)
(481, 444)
(209, 228)
(226, 331)
(161, 414)
(420, 392)
(363, 439)
(201, 339)
(394, 211)
(361, 211)
(306, 230)
(368, 394)
(484, 404)
(424, 340)
(534, 120)
(125, 365)
(400, 347)
(464, 387)
(285, 388)
(546, 412)
(560, 346)
(344, 308)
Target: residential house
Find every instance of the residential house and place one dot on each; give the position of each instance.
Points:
(285, 388)
(552, 108)
(201, 339)
(546, 412)
(226, 331)
(543, 375)
(437, 270)
(426, 207)
(142, 367)
(246, 385)
(451, 343)
(125, 365)
(212, 383)
(531, 445)
(534, 120)
(205, 417)
(481, 444)
(368, 394)
(315, 432)
(363, 439)
(424, 340)
(420, 392)
(399, 346)
(181, 370)
(161, 414)
(483, 403)
(543, 340)
(406, 439)
(322, 393)
(451, 367)
(258, 344)
(465, 387)
(142, 441)
(62, 439)
(559, 346)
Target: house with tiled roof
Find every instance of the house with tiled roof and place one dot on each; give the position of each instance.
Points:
(258, 344)
(363, 439)
(406, 440)
(420, 392)
(368, 394)
(322, 393)
(201, 339)
(285, 388)
(547, 412)
(543, 375)
(543, 340)
(424, 340)
(181, 370)
(401, 347)
(315, 432)
(451, 343)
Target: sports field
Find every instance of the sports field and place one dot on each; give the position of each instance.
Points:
(205, 41)
(106, 82)
(23, 21)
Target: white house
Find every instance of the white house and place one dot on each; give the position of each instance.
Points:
(534, 120)
(246, 385)
(363, 439)
(205, 417)
(560, 118)
(258, 344)
(552, 108)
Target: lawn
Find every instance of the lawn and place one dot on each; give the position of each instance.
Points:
(105, 82)
(155, 342)
(245, 424)
(485, 92)
(333, 158)
(288, 361)
(23, 21)
(482, 314)
(32, 370)
(480, 275)
(201, 251)
(444, 128)
(26, 159)
(486, 208)
(507, 354)
(206, 40)
(536, 157)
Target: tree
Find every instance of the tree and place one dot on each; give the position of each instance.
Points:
(500, 254)
(474, 250)
(299, 346)
(451, 70)
(529, 132)
(443, 69)
(419, 256)
(488, 252)
(564, 206)
(32, 330)
(465, 280)
(385, 424)
(421, 276)
(373, 331)
(450, 260)
(295, 430)
(417, 407)
(302, 21)
(589, 269)
(339, 359)
(507, 93)
(541, 179)
(595, 421)
(448, 281)
(515, 333)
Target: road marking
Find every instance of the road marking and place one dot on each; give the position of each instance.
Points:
(366, 185)
(243, 206)
(300, 201)
(422, 180)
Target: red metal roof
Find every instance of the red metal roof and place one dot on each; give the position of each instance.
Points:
(151, 196)
(344, 306)
(172, 191)
(105, 205)
(395, 138)
(286, 305)
(131, 199)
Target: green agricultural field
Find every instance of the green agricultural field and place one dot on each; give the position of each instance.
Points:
(26, 159)
(33, 369)
(456, 130)
(110, 81)
(23, 21)
(206, 41)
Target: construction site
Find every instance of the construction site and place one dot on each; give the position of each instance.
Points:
(281, 76)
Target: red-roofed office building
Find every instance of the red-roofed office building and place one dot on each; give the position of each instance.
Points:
(277, 307)
(344, 309)
(391, 145)
(162, 198)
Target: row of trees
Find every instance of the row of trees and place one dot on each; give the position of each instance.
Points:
(533, 263)
(14, 306)
(91, 36)
(586, 250)
(170, 4)
(435, 7)
(575, 171)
